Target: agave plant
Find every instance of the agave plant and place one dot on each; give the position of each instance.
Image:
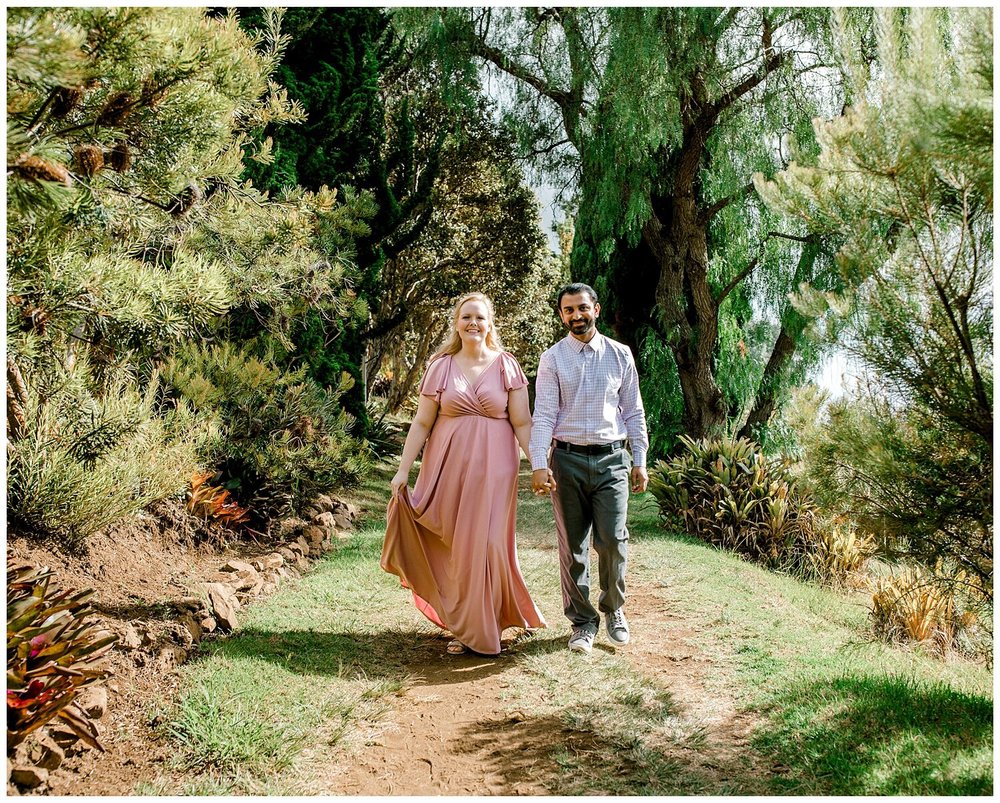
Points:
(52, 652)
(729, 494)
(915, 604)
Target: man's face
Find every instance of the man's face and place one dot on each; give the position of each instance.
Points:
(579, 313)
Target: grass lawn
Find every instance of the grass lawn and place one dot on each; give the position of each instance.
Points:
(320, 662)
(842, 714)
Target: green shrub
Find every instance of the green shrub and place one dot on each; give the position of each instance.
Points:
(51, 655)
(730, 495)
(84, 463)
(281, 438)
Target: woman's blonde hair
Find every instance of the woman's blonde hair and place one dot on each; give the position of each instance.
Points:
(452, 343)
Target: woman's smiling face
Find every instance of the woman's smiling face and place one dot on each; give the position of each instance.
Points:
(473, 322)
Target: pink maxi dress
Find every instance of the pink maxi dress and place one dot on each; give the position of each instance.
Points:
(452, 541)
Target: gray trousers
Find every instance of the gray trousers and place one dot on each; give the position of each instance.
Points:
(590, 503)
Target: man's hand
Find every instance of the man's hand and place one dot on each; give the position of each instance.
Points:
(640, 479)
(542, 481)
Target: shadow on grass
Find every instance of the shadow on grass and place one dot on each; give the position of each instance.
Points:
(546, 751)
(390, 655)
(862, 735)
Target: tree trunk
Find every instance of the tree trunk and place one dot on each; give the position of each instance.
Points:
(678, 237)
(793, 324)
(770, 383)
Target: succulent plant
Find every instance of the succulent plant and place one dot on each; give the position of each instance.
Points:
(213, 502)
(52, 653)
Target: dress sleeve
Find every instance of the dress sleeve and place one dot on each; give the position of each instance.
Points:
(513, 376)
(434, 379)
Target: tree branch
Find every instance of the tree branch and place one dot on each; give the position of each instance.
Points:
(748, 83)
(722, 203)
(549, 148)
(739, 277)
(502, 61)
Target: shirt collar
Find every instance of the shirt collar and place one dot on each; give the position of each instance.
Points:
(596, 343)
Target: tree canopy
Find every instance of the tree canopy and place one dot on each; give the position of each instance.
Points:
(663, 115)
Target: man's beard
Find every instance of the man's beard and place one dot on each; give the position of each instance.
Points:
(580, 327)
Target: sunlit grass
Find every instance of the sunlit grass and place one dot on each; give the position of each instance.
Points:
(846, 714)
(321, 663)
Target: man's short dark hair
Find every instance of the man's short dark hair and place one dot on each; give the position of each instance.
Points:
(573, 289)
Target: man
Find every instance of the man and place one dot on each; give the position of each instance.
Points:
(587, 403)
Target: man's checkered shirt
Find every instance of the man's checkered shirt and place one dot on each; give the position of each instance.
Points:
(587, 393)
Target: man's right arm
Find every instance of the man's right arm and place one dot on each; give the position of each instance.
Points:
(543, 423)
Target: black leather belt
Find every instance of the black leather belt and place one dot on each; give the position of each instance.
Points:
(594, 448)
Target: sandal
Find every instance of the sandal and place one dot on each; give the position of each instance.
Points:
(456, 647)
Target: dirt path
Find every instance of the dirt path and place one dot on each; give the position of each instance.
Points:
(453, 731)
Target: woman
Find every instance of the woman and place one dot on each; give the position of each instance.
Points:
(451, 541)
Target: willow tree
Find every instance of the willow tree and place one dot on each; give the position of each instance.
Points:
(663, 115)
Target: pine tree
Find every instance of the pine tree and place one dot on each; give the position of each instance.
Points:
(131, 235)
(366, 128)
(904, 178)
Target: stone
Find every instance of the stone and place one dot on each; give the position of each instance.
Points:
(273, 561)
(208, 624)
(343, 522)
(324, 520)
(286, 528)
(93, 701)
(268, 588)
(130, 639)
(50, 755)
(193, 604)
(287, 554)
(171, 656)
(29, 777)
(323, 502)
(302, 564)
(310, 513)
(238, 566)
(295, 547)
(63, 736)
(316, 538)
(221, 598)
(315, 533)
(244, 579)
(302, 542)
(352, 510)
(191, 626)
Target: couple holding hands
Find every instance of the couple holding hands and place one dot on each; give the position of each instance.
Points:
(451, 541)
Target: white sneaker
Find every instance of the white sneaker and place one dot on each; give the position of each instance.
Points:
(617, 627)
(581, 640)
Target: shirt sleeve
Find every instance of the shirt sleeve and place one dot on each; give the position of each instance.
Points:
(434, 379)
(633, 413)
(510, 370)
(543, 421)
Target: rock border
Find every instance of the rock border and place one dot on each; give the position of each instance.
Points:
(169, 643)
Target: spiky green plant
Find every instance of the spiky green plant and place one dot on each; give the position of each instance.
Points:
(729, 494)
(52, 650)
